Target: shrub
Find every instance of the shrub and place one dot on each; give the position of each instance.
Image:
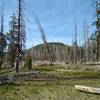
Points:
(28, 61)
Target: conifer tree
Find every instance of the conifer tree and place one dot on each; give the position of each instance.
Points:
(12, 40)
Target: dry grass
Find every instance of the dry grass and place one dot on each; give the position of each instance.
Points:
(53, 90)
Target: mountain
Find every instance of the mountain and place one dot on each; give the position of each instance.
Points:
(56, 51)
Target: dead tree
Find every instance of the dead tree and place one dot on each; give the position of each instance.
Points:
(86, 42)
(80, 49)
(42, 35)
(20, 43)
(71, 51)
(46, 50)
(75, 44)
(2, 36)
(32, 52)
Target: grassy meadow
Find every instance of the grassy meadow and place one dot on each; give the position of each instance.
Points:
(60, 89)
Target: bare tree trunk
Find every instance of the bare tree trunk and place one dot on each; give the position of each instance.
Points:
(0, 63)
(75, 44)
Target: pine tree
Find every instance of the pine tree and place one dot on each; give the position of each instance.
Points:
(12, 41)
(28, 61)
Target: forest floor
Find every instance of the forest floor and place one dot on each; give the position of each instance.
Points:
(53, 83)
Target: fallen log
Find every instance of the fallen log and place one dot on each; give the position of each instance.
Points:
(87, 89)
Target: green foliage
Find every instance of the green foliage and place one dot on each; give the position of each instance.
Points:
(28, 61)
(43, 69)
(51, 90)
(12, 41)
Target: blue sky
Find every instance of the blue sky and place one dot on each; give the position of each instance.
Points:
(56, 17)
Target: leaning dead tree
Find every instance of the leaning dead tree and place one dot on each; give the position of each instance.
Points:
(42, 36)
(47, 55)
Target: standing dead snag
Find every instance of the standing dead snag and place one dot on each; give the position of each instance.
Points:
(2, 36)
(86, 42)
(1, 50)
(18, 38)
(20, 43)
(75, 54)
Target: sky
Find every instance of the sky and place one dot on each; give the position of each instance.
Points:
(57, 18)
